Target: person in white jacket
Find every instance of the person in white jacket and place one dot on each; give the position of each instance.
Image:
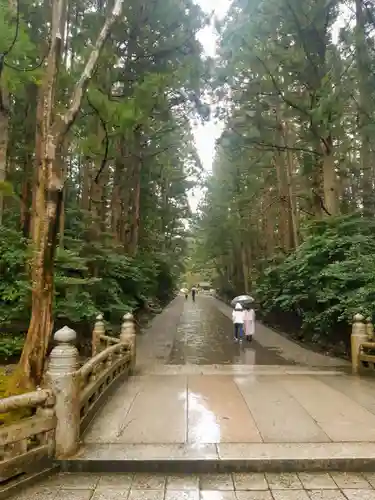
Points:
(238, 321)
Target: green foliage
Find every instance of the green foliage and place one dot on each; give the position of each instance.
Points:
(90, 278)
(328, 279)
(10, 347)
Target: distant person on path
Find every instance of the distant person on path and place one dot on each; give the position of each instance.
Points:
(238, 317)
(193, 293)
(249, 324)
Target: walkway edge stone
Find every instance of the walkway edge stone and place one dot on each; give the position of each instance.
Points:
(228, 457)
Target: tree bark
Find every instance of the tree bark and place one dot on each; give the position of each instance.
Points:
(364, 113)
(48, 191)
(330, 181)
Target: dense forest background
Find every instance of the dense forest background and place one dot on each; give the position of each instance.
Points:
(289, 208)
(97, 103)
(95, 168)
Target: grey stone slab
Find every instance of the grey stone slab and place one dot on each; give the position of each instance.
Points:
(36, 493)
(239, 369)
(74, 481)
(359, 494)
(216, 482)
(182, 495)
(149, 482)
(277, 414)
(290, 495)
(158, 413)
(341, 418)
(250, 482)
(350, 480)
(217, 495)
(115, 481)
(147, 452)
(370, 477)
(114, 411)
(297, 451)
(254, 495)
(326, 495)
(183, 482)
(111, 494)
(288, 481)
(217, 412)
(73, 495)
(356, 388)
(317, 481)
(146, 495)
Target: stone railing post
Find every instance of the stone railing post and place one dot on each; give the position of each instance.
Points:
(369, 329)
(358, 337)
(99, 330)
(128, 335)
(63, 379)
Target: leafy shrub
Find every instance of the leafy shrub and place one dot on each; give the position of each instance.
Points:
(329, 278)
(90, 277)
(10, 347)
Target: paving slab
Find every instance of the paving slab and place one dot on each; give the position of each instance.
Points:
(158, 413)
(341, 418)
(277, 414)
(287, 486)
(218, 413)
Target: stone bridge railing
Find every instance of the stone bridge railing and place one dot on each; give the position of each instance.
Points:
(62, 410)
(362, 345)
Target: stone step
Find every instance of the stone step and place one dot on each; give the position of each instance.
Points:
(226, 457)
(240, 370)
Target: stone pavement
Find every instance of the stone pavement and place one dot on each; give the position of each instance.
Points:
(200, 402)
(202, 333)
(209, 408)
(302, 486)
(205, 389)
(286, 348)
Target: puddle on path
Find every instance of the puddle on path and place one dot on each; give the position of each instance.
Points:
(205, 336)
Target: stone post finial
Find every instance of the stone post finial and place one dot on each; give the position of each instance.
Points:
(358, 337)
(65, 335)
(99, 330)
(128, 336)
(63, 380)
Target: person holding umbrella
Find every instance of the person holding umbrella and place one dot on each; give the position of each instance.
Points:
(247, 305)
(249, 323)
(238, 321)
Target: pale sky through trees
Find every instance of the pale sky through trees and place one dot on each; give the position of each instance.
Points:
(206, 135)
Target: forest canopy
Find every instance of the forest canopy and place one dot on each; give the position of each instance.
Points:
(97, 157)
(289, 207)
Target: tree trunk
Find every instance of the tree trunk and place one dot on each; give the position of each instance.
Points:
(4, 137)
(330, 182)
(290, 171)
(365, 106)
(48, 192)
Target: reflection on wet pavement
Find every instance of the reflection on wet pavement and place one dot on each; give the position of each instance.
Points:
(206, 428)
(205, 336)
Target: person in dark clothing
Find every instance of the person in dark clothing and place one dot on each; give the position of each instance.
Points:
(193, 293)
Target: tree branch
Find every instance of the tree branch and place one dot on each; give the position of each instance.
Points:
(63, 122)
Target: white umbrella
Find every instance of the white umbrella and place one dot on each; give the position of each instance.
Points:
(243, 300)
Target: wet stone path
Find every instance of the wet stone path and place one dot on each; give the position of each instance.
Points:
(303, 486)
(204, 336)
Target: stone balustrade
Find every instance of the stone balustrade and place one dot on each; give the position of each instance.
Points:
(362, 345)
(28, 440)
(61, 412)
